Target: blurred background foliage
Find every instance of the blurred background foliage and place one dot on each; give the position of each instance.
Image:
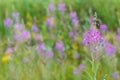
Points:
(108, 10)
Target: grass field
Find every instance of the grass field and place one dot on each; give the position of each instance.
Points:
(59, 40)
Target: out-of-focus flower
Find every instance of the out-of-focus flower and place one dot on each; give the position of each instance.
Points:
(115, 75)
(103, 28)
(76, 55)
(50, 21)
(49, 54)
(110, 49)
(82, 66)
(25, 35)
(41, 46)
(18, 27)
(15, 15)
(9, 50)
(74, 17)
(34, 28)
(61, 7)
(38, 37)
(51, 7)
(59, 45)
(76, 71)
(71, 34)
(6, 58)
(8, 22)
(17, 37)
(75, 21)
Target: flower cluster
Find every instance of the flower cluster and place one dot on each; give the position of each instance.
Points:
(110, 49)
(34, 28)
(74, 18)
(78, 70)
(61, 7)
(59, 45)
(50, 21)
(15, 15)
(103, 28)
(43, 52)
(92, 37)
(8, 22)
(24, 35)
(51, 7)
(71, 34)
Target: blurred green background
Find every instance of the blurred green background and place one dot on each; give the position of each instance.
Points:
(108, 10)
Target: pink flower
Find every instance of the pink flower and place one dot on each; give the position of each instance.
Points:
(82, 66)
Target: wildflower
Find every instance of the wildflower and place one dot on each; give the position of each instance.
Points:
(25, 35)
(75, 21)
(34, 28)
(51, 7)
(49, 54)
(76, 71)
(59, 45)
(115, 75)
(61, 7)
(74, 18)
(73, 14)
(9, 50)
(71, 34)
(91, 37)
(8, 22)
(15, 15)
(50, 21)
(41, 46)
(17, 37)
(6, 58)
(82, 66)
(103, 28)
(18, 26)
(38, 37)
(110, 49)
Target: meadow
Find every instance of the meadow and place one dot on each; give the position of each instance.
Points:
(59, 40)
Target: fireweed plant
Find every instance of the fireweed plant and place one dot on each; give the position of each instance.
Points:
(93, 40)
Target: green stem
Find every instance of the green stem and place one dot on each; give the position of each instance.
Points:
(94, 69)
